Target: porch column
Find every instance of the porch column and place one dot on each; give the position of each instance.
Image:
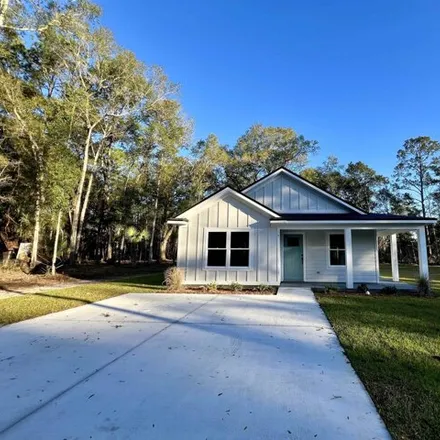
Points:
(423, 252)
(348, 258)
(394, 257)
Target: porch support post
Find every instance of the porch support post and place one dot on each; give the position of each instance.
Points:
(394, 257)
(423, 252)
(348, 258)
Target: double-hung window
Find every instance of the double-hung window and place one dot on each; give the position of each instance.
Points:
(228, 249)
(337, 249)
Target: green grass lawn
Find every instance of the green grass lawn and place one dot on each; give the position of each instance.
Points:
(394, 345)
(19, 308)
(409, 274)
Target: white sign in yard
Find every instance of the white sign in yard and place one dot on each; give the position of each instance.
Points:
(24, 250)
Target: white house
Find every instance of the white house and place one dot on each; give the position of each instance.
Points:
(283, 228)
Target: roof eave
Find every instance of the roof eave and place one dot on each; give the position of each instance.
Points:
(177, 221)
(363, 222)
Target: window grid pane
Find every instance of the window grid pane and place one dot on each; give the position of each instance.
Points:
(217, 240)
(337, 241)
(337, 258)
(216, 258)
(239, 240)
(239, 258)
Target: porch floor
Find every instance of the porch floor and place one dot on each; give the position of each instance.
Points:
(372, 286)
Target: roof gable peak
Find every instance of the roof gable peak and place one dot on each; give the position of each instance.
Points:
(227, 190)
(296, 177)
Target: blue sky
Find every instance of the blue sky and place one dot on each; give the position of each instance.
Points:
(359, 77)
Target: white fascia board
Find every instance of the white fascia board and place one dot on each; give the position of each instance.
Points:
(177, 222)
(309, 184)
(229, 191)
(394, 223)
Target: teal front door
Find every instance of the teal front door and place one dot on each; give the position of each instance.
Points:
(293, 257)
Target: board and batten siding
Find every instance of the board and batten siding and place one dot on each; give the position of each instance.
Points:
(284, 194)
(365, 264)
(317, 256)
(230, 214)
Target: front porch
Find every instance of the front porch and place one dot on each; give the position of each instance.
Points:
(341, 286)
(320, 255)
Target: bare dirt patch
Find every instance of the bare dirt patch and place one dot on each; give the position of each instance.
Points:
(14, 280)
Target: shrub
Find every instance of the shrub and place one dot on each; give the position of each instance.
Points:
(173, 279)
(263, 288)
(236, 287)
(331, 289)
(389, 290)
(363, 288)
(423, 287)
(211, 287)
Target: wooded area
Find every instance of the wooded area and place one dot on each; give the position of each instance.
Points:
(96, 152)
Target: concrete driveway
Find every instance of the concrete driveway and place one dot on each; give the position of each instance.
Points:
(157, 366)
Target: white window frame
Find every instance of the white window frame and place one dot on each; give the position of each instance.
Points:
(228, 249)
(329, 249)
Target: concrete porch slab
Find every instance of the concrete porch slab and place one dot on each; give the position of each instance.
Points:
(341, 286)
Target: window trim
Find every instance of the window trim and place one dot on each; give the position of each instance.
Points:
(228, 266)
(329, 249)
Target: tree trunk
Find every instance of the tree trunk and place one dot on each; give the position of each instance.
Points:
(3, 9)
(121, 246)
(413, 252)
(36, 235)
(83, 212)
(428, 242)
(164, 242)
(153, 224)
(432, 243)
(37, 215)
(422, 201)
(152, 237)
(55, 246)
(109, 244)
(435, 241)
(78, 199)
(146, 247)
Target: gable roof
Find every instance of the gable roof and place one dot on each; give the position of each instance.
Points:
(222, 192)
(297, 177)
(301, 217)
